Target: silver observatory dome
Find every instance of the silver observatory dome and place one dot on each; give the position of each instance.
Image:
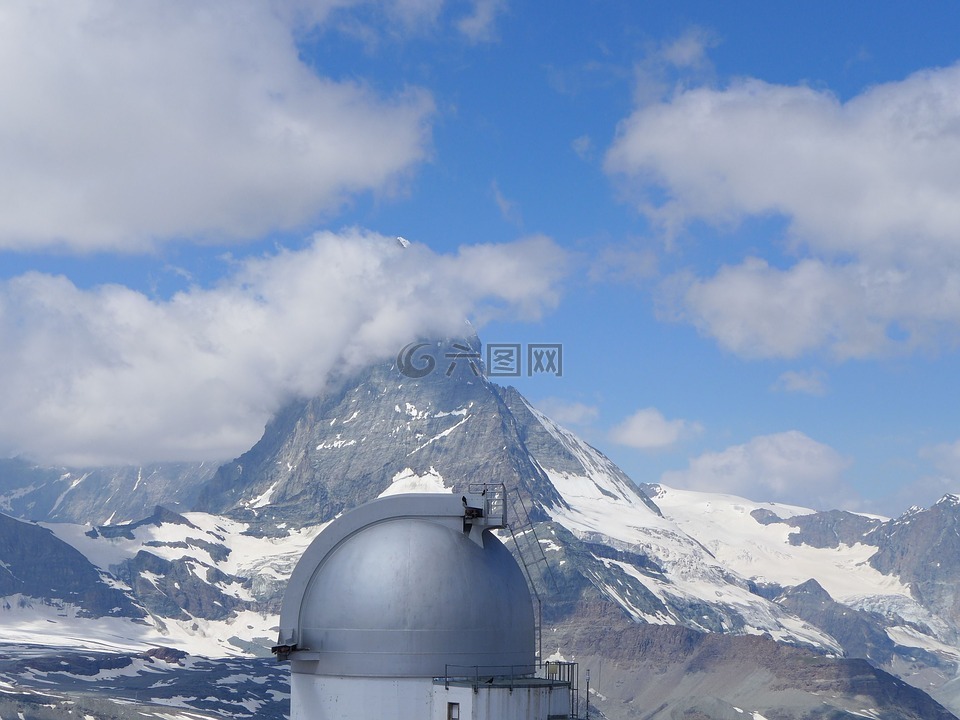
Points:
(409, 586)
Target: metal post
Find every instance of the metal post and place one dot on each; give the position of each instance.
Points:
(588, 693)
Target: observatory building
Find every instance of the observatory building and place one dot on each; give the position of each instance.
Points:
(410, 608)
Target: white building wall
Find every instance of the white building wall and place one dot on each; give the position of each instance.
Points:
(321, 697)
(454, 694)
(500, 703)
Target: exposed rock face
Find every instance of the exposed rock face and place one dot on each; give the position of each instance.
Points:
(97, 495)
(37, 564)
(860, 633)
(188, 586)
(159, 683)
(830, 528)
(923, 548)
(179, 592)
(160, 516)
(824, 529)
(321, 456)
(674, 627)
(662, 672)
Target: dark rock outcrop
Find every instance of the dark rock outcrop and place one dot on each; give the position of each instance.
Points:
(665, 672)
(922, 547)
(36, 564)
(175, 588)
(826, 529)
(860, 633)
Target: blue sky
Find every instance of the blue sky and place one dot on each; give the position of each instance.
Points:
(740, 220)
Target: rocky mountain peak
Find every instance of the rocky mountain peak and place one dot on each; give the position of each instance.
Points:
(949, 500)
(633, 576)
(320, 456)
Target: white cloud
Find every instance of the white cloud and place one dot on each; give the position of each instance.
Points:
(924, 491)
(689, 50)
(126, 124)
(110, 375)
(509, 209)
(944, 456)
(684, 55)
(478, 26)
(416, 13)
(583, 146)
(860, 176)
(812, 382)
(785, 467)
(566, 412)
(852, 310)
(648, 429)
(868, 187)
(759, 311)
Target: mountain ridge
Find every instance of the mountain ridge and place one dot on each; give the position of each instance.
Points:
(209, 580)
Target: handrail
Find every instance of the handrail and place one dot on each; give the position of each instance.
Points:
(555, 672)
(494, 499)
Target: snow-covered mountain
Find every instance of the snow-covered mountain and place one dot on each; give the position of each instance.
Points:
(632, 572)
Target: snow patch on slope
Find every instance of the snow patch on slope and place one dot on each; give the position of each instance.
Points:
(407, 481)
(264, 499)
(265, 563)
(723, 524)
(604, 507)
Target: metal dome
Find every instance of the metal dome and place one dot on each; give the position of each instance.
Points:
(409, 586)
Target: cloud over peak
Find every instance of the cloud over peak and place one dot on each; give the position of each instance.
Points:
(109, 375)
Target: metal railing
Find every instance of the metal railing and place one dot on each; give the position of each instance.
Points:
(556, 673)
(494, 500)
(477, 675)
